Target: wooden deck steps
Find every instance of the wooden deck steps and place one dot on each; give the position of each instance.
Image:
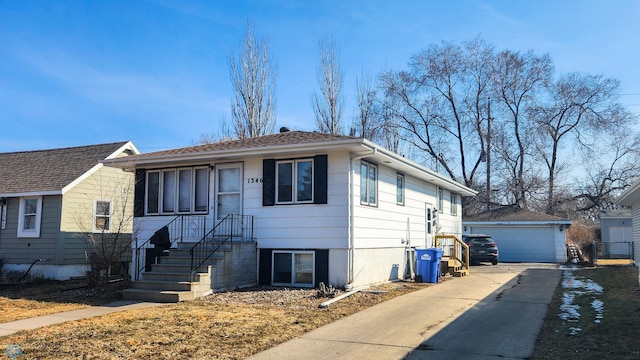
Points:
(453, 267)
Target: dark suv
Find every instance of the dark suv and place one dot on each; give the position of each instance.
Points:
(481, 248)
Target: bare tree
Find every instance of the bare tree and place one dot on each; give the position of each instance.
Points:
(441, 104)
(253, 77)
(611, 166)
(366, 122)
(518, 80)
(105, 221)
(581, 105)
(327, 107)
(223, 134)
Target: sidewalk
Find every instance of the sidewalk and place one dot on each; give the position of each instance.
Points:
(46, 320)
(494, 313)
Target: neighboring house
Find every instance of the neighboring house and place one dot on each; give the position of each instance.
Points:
(617, 233)
(521, 235)
(323, 208)
(631, 197)
(50, 200)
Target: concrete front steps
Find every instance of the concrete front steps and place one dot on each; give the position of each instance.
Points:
(170, 280)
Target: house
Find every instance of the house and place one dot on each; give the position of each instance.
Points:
(316, 207)
(631, 197)
(617, 233)
(52, 200)
(522, 235)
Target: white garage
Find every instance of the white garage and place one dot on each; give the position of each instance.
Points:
(521, 235)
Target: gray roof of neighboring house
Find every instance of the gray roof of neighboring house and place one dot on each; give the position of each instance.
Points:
(513, 214)
(49, 170)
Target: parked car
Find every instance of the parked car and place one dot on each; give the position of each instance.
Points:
(481, 248)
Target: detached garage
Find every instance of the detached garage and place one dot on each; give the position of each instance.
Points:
(521, 235)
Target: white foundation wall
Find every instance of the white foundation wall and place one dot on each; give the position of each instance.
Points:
(338, 267)
(52, 272)
(378, 265)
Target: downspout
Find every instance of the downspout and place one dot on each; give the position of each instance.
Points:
(352, 197)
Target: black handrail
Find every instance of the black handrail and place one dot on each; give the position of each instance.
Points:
(232, 226)
(178, 228)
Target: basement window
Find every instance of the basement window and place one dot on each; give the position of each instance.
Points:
(293, 268)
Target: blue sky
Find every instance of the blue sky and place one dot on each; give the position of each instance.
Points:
(155, 72)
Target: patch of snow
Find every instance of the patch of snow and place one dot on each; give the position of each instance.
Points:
(598, 306)
(575, 286)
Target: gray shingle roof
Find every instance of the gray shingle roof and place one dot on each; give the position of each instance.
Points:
(284, 138)
(49, 170)
(511, 213)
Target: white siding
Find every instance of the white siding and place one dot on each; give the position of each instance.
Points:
(302, 226)
(381, 233)
(636, 232)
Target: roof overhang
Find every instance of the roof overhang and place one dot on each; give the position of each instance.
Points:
(630, 196)
(357, 147)
(549, 222)
(32, 193)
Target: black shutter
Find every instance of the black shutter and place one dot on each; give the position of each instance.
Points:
(322, 267)
(268, 182)
(264, 270)
(139, 193)
(320, 179)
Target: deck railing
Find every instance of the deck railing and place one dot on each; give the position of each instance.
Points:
(453, 247)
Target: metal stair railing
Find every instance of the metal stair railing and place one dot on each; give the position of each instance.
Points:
(233, 226)
(178, 228)
(457, 249)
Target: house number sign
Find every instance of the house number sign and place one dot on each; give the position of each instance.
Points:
(254, 180)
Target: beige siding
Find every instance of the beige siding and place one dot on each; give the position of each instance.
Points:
(105, 184)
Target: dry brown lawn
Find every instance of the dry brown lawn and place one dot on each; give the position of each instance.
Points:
(231, 325)
(611, 333)
(21, 301)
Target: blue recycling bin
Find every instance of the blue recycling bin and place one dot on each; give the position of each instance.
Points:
(428, 264)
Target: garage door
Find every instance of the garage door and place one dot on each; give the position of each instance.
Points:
(523, 244)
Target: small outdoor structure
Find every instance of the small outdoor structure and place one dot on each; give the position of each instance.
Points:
(617, 234)
(522, 235)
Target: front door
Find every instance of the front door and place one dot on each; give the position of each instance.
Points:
(228, 190)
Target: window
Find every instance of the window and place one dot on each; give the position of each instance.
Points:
(102, 217)
(293, 268)
(368, 184)
(182, 191)
(30, 216)
(440, 200)
(294, 181)
(454, 204)
(400, 189)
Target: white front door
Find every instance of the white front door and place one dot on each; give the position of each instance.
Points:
(228, 190)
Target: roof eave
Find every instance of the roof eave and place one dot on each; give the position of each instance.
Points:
(630, 196)
(233, 153)
(31, 193)
(517, 222)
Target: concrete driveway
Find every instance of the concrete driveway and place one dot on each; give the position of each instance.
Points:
(494, 313)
